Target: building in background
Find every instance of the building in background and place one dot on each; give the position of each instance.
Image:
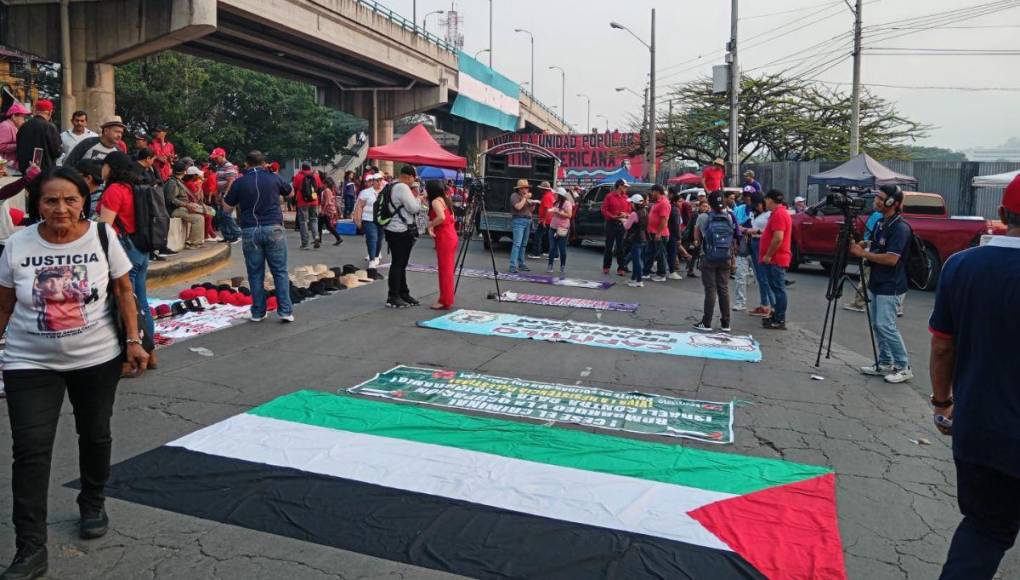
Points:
(1009, 151)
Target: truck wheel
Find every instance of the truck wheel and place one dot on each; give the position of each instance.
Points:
(795, 259)
(936, 268)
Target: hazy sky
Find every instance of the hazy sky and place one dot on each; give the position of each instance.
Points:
(575, 35)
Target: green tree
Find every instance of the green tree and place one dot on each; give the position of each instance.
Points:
(207, 104)
(781, 119)
(919, 153)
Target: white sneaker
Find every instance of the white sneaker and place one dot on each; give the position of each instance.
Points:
(853, 308)
(373, 263)
(634, 284)
(657, 279)
(287, 318)
(367, 259)
(724, 328)
(899, 376)
(739, 308)
(254, 318)
(878, 371)
(676, 276)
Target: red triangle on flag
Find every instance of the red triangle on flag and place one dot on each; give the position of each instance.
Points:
(786, 532)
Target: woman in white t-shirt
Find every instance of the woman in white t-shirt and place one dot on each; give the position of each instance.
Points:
(62, 336)
(364, 218)
(758, 222)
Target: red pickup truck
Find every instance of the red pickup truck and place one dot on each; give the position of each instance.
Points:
(815, 230)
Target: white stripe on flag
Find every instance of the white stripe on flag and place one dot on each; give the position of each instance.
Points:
(474, 89)
(626, 504)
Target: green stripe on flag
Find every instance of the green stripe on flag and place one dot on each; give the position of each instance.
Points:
(723, 472)
(484, 114)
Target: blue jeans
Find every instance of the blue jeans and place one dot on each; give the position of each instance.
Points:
(991, 519)
(225, 223)
(776, 278)
(891, 349)
(637, 250)
(372, 236)
(521, 229)
(261, 245)
(764, 291)
(557, 248)
(138, 275)
(655, 252)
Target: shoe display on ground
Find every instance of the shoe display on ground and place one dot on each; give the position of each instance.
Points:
(899, 376)
(93, 524)
(29, 562)
(879, 370)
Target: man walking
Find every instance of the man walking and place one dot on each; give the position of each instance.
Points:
(658, 233)
(78, 132)
(307, 189)
(775, 255)
(401, 233)
(38, 133)
(890, 245)
(615, 210)
(715, 233)
(256, 195)
(974, 370)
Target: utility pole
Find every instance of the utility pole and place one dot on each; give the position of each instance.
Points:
(734, 164)
(651, 105)
(648, 136)
(855, 97)
(490, 38)
(532, 37)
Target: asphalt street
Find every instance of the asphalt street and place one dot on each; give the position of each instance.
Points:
(895, 475)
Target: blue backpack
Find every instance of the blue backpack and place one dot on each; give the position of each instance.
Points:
(718, 237)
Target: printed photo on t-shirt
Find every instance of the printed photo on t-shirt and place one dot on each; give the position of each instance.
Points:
(60, 294)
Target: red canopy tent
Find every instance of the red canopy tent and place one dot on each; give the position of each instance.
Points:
(685, 179)
(417, 147)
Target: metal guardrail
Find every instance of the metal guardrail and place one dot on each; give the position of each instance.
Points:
(413, 27)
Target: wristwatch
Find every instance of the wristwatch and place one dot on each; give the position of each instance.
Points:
(940, 404)
(133, 341)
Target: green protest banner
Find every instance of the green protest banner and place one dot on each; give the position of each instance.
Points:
(625, 411)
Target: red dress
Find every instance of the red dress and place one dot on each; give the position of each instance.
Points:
(446, 255)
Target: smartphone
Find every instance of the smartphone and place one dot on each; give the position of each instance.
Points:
(37, 155)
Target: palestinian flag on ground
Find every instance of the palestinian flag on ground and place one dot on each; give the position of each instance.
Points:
(490, 498)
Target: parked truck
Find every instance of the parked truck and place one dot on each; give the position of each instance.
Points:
(815, 230)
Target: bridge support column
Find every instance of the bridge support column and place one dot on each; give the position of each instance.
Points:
(381, 133)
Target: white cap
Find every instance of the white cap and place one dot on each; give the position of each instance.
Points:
(798, 199)
(192, 170)
(563, 192)
(373, 176)
(637, 198)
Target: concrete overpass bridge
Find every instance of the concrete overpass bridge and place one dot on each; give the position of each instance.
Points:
(361, 57)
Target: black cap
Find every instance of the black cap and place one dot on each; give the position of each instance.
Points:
(776, 196)
(180, 166)
(716, 200)
(757, 198)
(118, 161)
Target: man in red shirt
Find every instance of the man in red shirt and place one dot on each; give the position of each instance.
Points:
(307, 204)
(540, 241)
(615, 210)
(775, 256)
(712, 176)
(164, 152)
(658, 233)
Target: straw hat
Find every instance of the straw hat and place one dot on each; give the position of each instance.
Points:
(363, 276)
(320, 269)
(522, 183)
(350, 280)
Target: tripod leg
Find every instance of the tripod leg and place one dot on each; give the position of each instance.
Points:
(825, 326)
(492, 255)
(832, 322)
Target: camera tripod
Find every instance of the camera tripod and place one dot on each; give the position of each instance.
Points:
(475, 215)
(837, 278)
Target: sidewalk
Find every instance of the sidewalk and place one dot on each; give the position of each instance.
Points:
(896, 498)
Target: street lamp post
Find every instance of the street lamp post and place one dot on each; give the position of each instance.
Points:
(606, 120)
(587, 98)
(532, 37)
(563, 91)
(425, 20)
(479, 53)
(651, 92)
(490, 33)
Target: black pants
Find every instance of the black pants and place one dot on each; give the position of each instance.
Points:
(400, 245)
(655, 251)
(538, 243)
(614, 245)
(715, 277)
(34, 398)
(990, 504)
(324, 225)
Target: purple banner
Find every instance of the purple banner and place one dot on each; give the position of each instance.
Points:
(533, 278)
(568, 302)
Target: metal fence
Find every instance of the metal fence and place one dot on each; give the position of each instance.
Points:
(950, 179)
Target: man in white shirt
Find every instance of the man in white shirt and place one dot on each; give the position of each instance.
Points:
(401, 233)
(79, 130)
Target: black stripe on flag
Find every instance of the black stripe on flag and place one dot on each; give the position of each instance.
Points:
(419, 529)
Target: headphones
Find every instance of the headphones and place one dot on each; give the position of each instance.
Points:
(893, 195)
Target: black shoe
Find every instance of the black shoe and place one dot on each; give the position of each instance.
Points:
(156, 258)
(407, 298)
(396, 303)
(29, 562)
(789, 282)
(168, 252)
(317, 244)
(774, 325)
(338, 242)
(93, 524)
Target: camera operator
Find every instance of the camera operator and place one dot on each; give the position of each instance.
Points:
(890, 243)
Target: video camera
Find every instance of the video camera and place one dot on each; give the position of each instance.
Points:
(477, 187)
(846, 199)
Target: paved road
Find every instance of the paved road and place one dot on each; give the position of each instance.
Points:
(895, 496)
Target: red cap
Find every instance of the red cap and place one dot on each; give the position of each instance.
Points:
(275, 166)
(271, 303)
(224, 296)
(163, 310)
(218, 152)
(44, 105)
(186, 294)
(1011, 196)
(213, 296)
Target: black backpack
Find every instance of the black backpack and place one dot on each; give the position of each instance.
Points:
(919, 264)
(308, 192)
(383, 210)
(152, 221)
(148, 342)
(718, 237)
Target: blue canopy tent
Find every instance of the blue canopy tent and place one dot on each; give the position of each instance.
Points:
(861, 171)
(621, 173)
(427, 172)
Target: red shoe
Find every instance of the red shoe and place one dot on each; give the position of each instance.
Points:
(621, 272)
(760, 311)
(605, 271)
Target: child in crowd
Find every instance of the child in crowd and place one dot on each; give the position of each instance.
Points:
(637, 236)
